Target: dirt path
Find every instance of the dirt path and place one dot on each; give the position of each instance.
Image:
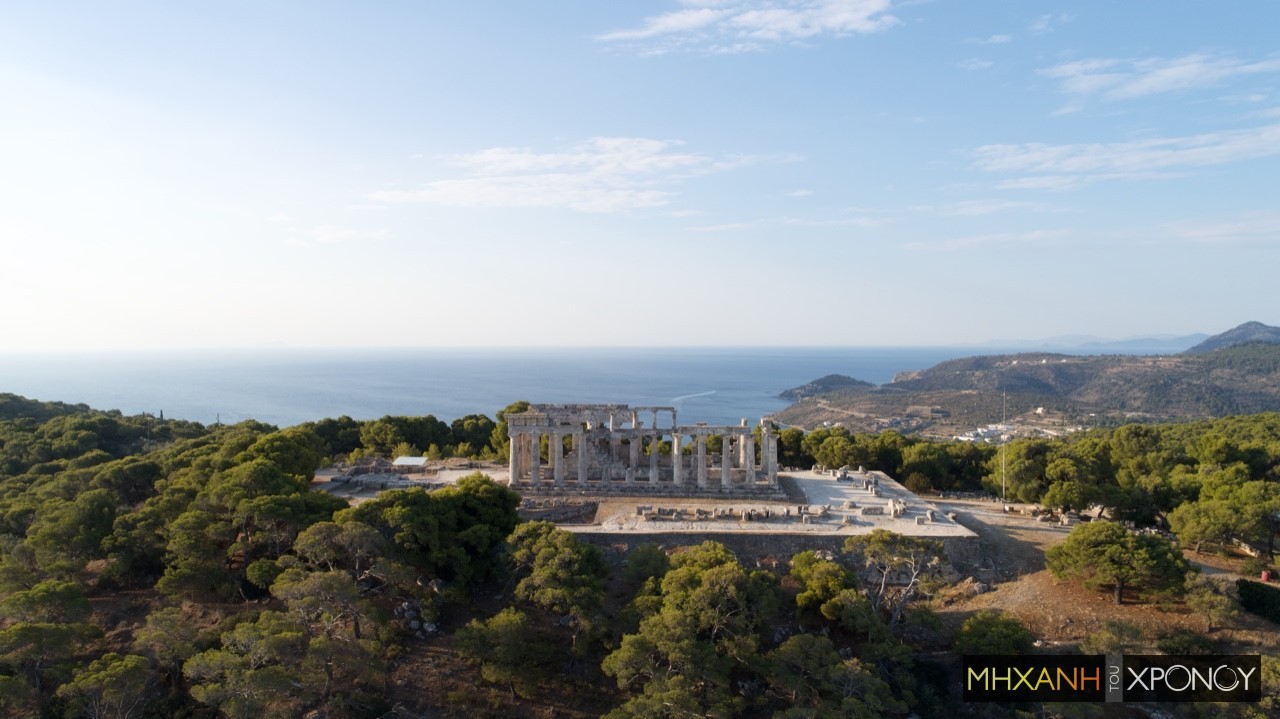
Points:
(1013, 544)
(1062, 613)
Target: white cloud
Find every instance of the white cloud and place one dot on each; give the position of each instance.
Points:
(1121, 79)
(1046, 23)
(1042, 182)
(680, 21)
(726, 227)
(800, 193)
(774, 222)
(1063, 166)
(748, 25)
(991, 40)
(969, 242)
(837, 222)
(974, 63)
(1250, 228)
(575, 192)
(978, 208)
(606, 174)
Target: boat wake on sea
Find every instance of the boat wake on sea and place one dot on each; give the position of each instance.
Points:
(677, 400)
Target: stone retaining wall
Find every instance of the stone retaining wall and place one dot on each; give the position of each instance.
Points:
(751, 547)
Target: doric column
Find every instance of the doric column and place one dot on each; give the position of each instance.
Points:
(525, 461)
(749, 456)
(702, 461)
(635, 442)
(535, 469)
(555, 448)
(726, 462)
(654, 441)
(769, 454)
(580, 440)
(677, 454)
(514, 459)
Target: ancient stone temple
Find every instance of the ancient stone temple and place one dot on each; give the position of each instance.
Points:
(598, 448)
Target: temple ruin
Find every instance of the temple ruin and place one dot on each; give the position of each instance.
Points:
(612, 450)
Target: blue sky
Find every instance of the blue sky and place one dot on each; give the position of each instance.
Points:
(866, 172)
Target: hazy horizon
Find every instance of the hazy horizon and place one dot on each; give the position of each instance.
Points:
(1058, 342)
(689, 173)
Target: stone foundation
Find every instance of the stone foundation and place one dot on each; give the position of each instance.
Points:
(752, 548)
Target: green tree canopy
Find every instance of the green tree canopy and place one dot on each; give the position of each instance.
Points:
(1099, 554)
(110, 687)
(703, 625)
(889, 559)
(507, 649)
(991, 632)
(821, 579)
(454, 533)
(561, 574)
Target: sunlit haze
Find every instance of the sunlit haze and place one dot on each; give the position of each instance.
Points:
(866, 172)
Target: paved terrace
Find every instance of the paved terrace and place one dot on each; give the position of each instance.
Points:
(868, 501)
(830, 508)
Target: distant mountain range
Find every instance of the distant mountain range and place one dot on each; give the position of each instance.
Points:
(1236, 372)
(1244, 334)
(1156, 344)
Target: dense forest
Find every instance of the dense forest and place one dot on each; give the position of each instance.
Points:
(161, 568)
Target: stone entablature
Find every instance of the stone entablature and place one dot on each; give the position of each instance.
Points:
(612, 450)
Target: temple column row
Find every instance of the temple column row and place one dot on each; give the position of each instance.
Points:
(737, 451)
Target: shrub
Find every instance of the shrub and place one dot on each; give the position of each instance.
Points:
(1253, 567)
(990, 632)
(1184, 641)
(1260, 599)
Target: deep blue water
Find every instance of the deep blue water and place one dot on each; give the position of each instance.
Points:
(714, 385)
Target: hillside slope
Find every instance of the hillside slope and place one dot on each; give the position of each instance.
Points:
(1247, 333)
(1240, 379)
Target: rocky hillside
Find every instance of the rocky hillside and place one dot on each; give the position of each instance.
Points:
(1247, 333)
(824, 385)
(973, 391)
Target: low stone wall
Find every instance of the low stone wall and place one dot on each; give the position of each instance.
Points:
(752, 547)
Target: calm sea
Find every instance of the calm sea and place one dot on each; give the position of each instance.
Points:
(717, 386)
